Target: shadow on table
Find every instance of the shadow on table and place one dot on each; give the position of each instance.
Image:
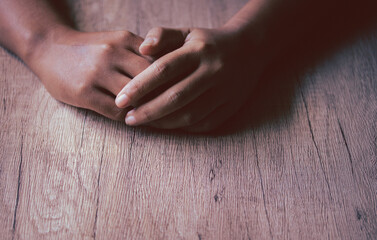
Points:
(316, 39)
(272, 98)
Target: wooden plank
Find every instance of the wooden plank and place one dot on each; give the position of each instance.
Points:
(13, 114)
(302, 166)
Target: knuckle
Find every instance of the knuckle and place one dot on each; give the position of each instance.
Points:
(83, 87)
(160, 68)
(118, 114)
(201, 46)
(124, 35)
(111, 112)
(136, 89)
(174, 97)
(217, 66)
(147, 114)
(206, 48)
(106, 49)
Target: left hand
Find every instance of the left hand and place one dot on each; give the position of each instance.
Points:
(208, 77)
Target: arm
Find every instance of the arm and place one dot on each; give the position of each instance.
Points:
(212, 71)
(26, 24)
(82, 69)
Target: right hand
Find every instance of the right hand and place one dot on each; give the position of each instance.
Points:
(88, 70)
(200, 85)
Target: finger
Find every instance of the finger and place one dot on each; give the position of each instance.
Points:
(165, 69)
(103, 104)
(160, 41)
(130, 41)
(171, 100)
(214, 120)
(113, 84)
(130, 64)
(192, 113)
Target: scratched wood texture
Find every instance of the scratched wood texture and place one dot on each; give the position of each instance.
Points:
(304, 166)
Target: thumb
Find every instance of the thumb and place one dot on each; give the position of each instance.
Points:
(160, 41)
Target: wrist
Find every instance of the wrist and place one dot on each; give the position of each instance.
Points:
(36, 42)
(256, 38)
(249, 30)
(248, 40)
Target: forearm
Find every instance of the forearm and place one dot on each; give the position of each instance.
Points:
(273, 25)
(26, 24)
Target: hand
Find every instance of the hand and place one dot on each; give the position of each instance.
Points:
(208, 78)
(88, 70)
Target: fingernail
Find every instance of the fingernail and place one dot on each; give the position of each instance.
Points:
(122, 100)
(130, 120)
(149, 41)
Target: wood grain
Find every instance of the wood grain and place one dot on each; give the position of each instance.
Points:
(305, 169)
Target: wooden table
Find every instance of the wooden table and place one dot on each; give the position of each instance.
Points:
(301, 162)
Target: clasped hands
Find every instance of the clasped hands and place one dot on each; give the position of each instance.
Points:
(191, 79)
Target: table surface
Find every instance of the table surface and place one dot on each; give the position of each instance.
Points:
(299, 161)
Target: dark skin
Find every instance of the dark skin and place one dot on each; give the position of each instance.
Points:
(86, 70)
(201, 76)
(216, 69)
